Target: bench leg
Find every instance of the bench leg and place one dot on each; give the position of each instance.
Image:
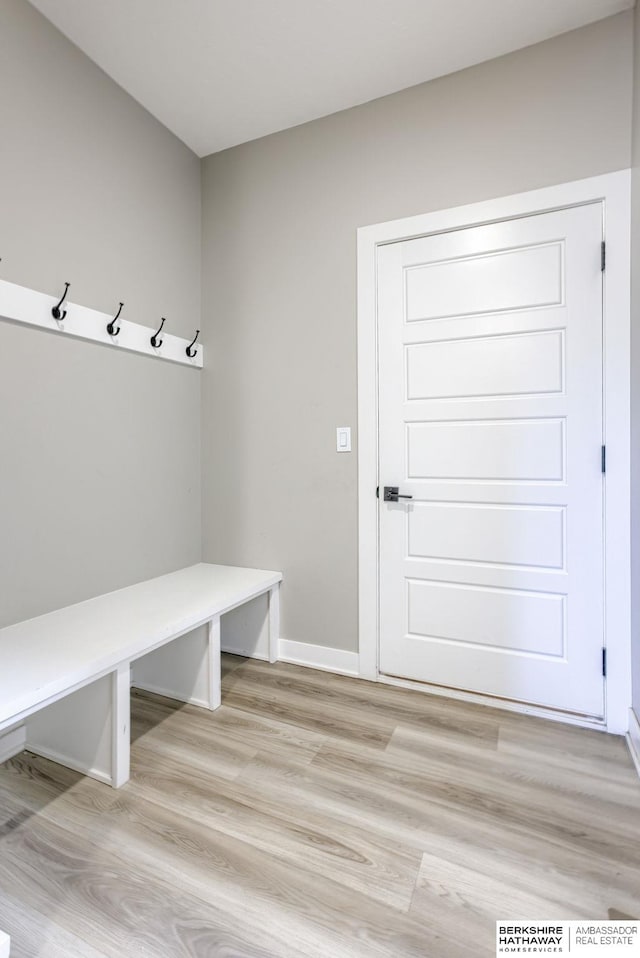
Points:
(214, 663)
(120, 725)
(274, 622)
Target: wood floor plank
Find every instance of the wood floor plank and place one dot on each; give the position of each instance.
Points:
(610, 780)
(382, 703)
(447, 893)
(315, 815)
(348, 855)
(34, 934)
(226, 728)
(409, 815)
(241, 879)
(304, 712)
(574, 885)
(582, 751)
(137, 910)
(607, 829)
(193, 739)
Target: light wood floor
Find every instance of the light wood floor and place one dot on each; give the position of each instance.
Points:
(317, 816)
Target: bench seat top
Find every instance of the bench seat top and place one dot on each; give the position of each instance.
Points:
(52, 654)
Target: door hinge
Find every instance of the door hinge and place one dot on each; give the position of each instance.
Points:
(603, 255)
(603, 459)
(377, 492)
(604, 662)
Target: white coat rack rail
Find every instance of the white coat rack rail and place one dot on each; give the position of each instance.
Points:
(18, 304)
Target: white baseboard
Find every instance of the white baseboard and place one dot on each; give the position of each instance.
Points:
(5, 944)
(12, 743)
(60, 759)
(246, 654)
(633, 739)
(318, 657)
(168, 694)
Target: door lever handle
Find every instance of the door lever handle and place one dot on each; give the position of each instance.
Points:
(392, 494)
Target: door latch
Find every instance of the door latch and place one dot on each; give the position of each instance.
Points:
(392, 494)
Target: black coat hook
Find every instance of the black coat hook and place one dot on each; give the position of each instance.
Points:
(189, 351)
(111, 327)
(57, 313)
(155, 342)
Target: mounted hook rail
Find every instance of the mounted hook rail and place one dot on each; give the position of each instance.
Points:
(189, 350)
(57, 313)
(155, 342)
(111, 327)
(19, 304)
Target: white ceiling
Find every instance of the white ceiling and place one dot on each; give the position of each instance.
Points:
(221, 72)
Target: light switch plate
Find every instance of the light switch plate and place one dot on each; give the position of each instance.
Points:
(343, 439)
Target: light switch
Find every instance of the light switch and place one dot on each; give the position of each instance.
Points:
(343, 438)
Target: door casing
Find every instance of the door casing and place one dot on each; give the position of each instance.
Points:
(613, 190)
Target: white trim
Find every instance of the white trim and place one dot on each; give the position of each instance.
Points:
(169, 694)
(274, 622)
(60, 759)
(613, 190)
(5, 945)
(318, 657)
(19, 304)
(214, 666)
(633, 739)
(12, 743)
(368, 479)
(120, 725)
(617, 435)
(247, 654)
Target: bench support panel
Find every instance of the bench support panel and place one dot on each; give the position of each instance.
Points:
(182, 669)
(253, 629)
(76, 731)
(12, 742)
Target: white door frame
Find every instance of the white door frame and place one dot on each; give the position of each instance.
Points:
(614, 191)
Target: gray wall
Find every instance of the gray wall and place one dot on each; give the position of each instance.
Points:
(100, 463)
(635, 376)
(100, 468)
(279, 284)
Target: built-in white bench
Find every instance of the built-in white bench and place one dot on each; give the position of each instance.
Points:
(65, 677)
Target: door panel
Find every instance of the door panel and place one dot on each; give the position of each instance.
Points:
(522, 536)
(493, 366)
(485, 283)
(496, 451)
(490, 399)
(505, 618)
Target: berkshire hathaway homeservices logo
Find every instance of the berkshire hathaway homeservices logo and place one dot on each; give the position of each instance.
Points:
(533, 936)
(605, 939)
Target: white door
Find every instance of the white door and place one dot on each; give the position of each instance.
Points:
(490, 418)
